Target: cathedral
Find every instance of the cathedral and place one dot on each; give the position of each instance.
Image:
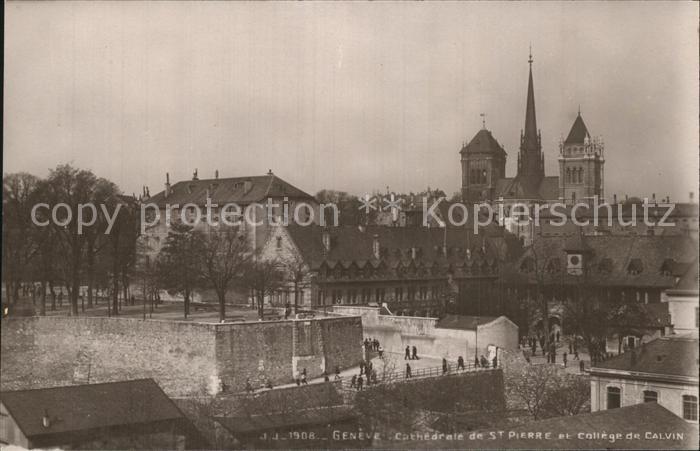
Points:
(581, 163)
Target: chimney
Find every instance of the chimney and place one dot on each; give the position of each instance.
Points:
(194, 175)
(375, 246)
(216, 174)
(167, 184)
(148, 193)
(269, 172)
(326, 238)
(614, 198)
(626, 198)
(653, 198)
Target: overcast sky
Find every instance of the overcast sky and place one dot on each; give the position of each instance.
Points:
(351, 96)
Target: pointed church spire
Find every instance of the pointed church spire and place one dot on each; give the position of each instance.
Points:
(530, 119)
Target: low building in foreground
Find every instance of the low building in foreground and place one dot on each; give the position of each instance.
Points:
(115, 415)
(663, 371)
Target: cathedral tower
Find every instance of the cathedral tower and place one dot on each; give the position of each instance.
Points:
(530, 158)
(581, 165)
(483, 164)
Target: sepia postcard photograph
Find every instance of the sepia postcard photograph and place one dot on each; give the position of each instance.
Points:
(350, 225)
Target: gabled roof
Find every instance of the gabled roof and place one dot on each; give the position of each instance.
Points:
(672, 355)
(688, 283)
(92, 406)
(240, 190)
(578, 132)
(484, 142)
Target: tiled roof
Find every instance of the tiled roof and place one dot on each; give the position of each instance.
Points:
(463, 322)
(688, 283)
(92, 406)
(672, 355)
(241, 190)
(350, 244)
(610, 256)
(578, 132)
(484, 142)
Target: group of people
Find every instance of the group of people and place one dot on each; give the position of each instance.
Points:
(411, 353)
(368, 371)
(372, 344)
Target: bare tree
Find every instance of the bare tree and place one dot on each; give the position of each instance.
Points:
(264, 278)
(177, 263)
(223, 253)
(530, 386)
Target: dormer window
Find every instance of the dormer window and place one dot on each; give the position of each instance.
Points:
(635, 267)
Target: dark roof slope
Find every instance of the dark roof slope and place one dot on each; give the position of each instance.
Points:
(241, 190)
(578, 132)
(84, 407)
(639, 419)
(354, 244)
(672, 355)
(484, 142)
(609, 258)
(524, 188)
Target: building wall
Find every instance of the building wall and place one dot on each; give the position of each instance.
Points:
(670, 395)
(397, 332)
(10, 433)
(184, 358)
(684, 312)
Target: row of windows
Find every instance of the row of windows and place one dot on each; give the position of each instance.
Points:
(574, 175)
(367, 295)
(690, 402)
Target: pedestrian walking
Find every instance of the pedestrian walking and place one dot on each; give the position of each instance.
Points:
(415, 353)
(576, 354)
(303, 379)
(407, 355)
(360, 381)
(563, 357)
(337, 372)
(380, 350)
(557, 336)
(444, 365)
(362, 367)
(408, 371)
(460, 363)
(571, 347)
(353, 381)
(581, 366)
(325, 376)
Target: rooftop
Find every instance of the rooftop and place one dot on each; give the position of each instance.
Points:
(673, 355)
(92, 406)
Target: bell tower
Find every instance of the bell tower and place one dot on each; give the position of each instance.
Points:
(581, 165)
(483, 164)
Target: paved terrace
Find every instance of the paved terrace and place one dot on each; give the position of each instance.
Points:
(174, 311)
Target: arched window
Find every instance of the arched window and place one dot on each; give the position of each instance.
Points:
(651, 396)
(690, 407)
(613, 398)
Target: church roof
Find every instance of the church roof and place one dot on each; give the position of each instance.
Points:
(483, 142)
(525, 188)
(530, 118)
(578, 132)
